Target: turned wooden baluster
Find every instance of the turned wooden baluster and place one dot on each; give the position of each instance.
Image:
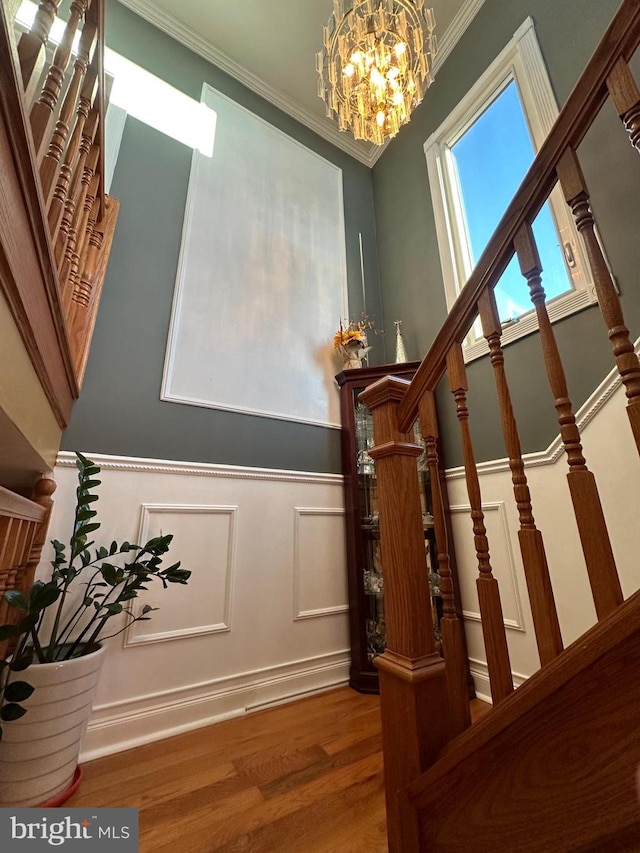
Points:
(42, 495)
(594, 537)
(18, 535)
(626, 97)
(43, 109)
(413, 692)
(9, 528)
(493, 631)
(75, 200)
(32, 45)
(575, 192)
(451, 627)
(70, 265)
(534, 558)
(69, 180)
(83, 289)
(87, 221)
(50, 164)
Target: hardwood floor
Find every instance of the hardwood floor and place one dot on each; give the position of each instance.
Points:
(300, 778)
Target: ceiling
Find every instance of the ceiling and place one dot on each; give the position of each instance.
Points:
(270, 45)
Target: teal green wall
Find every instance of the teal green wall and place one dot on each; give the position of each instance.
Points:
(119, 411)
(410, 272)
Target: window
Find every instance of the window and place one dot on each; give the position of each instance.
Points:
(476, 160)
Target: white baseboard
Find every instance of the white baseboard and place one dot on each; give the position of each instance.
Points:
(480, 674)
(125, 725)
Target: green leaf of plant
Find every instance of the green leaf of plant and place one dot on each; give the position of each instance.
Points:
(12, 712)
(85, 514)
(43, 597)
(109, 573)
(113, 549)
(148, 608)
(101, 553)
(21, 663)
(114, 608)
(86, 528)
(16, 599)
(91, 484)
(17, 691)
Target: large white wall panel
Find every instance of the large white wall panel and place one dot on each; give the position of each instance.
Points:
(265, 547)
(261, 281)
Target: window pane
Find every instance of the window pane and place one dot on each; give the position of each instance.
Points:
(491, 159)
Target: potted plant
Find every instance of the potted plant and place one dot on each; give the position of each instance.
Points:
(50, 671)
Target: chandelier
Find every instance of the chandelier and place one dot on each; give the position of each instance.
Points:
(375, 64)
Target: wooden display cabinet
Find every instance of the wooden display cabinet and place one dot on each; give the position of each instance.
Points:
(366, 593)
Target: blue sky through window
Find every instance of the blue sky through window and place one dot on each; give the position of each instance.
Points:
(492, 158)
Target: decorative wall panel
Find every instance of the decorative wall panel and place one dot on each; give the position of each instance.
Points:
(261, 281)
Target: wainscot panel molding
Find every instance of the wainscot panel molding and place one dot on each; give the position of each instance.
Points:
(207, 542)
(229, 641)
(504, 566)
(615, 466)
(319, 558)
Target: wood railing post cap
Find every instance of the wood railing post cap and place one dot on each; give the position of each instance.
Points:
(389, 389)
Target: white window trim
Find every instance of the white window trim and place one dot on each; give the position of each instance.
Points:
(521, 61)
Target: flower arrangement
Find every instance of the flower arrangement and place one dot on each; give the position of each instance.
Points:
(351, 340)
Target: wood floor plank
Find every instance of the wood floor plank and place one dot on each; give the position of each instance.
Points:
(299, 778)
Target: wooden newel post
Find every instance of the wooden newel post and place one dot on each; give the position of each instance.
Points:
(413, 693)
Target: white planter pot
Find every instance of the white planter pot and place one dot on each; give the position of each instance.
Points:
(39, 752)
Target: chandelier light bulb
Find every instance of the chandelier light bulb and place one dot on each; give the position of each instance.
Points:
(376, 64)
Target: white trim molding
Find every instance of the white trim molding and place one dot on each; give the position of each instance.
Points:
(133, 722)
(67, 459)
(480, 674)
(326, 128)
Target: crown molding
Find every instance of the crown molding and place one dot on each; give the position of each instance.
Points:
(326, 128)
(555, 450)
(195, 42)
(67, 459)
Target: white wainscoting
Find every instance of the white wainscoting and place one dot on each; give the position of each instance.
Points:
(264, 616)
(611, 455)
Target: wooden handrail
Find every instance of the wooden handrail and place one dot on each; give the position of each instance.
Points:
(15, 506)
(583, 104)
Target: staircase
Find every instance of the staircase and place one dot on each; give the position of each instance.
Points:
(56, 229)
(56, 221)
(552, 767)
